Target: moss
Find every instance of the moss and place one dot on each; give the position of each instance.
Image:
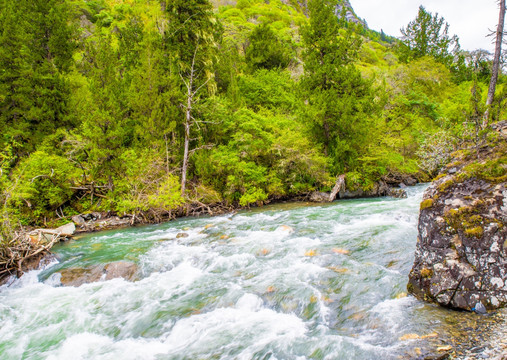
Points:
(410, 287)
(478, 204)
(426, 273)
(426, 204)
(492, 169)
(455, 163)
(445, 185)
(467, 220)
(477, 232)
(439, 176)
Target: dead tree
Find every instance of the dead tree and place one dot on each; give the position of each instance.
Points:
(496, 63)
(189, 121)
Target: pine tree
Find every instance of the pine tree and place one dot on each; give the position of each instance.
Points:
(428, 35)
(36, 52)
(266, 50)
(336, 92)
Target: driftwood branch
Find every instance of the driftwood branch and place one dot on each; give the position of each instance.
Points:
(22, 247)
(340, 183)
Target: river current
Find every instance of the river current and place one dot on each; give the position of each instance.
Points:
(287, 281)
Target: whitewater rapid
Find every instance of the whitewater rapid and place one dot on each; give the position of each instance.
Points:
(290, 281)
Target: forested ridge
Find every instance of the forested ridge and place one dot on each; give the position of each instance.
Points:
(145, 106)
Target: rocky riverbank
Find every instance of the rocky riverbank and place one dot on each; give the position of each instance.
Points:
(461, 255)
(40, 241)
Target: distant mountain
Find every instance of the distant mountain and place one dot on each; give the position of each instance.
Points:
(350, 15)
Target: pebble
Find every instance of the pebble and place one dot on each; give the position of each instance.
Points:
(472, 338)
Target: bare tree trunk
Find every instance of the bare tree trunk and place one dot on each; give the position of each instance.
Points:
(184, 168)
(188, 124)
(496, 63)
(166, 154)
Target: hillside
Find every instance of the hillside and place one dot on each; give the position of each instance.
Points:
(148, 107)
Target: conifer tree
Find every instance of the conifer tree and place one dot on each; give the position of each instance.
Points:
(334, 87)
(36, 52)
(266, 50)
(428, 35)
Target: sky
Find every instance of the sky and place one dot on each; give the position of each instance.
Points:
(471, 20)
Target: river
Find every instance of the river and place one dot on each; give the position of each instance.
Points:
(287, 281)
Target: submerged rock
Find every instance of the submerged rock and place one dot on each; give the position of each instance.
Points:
(461, 255)
(398, 193)
(80, 276)
(123, 269)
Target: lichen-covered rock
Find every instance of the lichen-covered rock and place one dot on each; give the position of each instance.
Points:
(461, 255)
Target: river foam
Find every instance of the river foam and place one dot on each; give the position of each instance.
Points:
(282, 282)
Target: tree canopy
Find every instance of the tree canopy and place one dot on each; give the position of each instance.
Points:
(428, 35)
(150, 107)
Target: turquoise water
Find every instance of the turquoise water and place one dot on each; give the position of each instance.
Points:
(288, 281)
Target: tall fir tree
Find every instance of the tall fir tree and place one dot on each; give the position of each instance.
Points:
(338, 96)
(428, 35)
(36, 52)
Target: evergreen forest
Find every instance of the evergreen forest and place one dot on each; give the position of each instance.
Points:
(148, 107)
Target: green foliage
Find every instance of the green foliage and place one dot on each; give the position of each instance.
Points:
(428, 35)
(192, 34)
(266, 50)
(338, 96)
(43, 185)
(266, 154)
(272, 90)
(145, 184)
(104, 126)
(36, 51)
(93, 94)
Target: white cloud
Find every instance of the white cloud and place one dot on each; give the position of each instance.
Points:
(469, 19)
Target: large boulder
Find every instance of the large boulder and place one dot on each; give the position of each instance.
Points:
(318, 196)
(461, 254)
(67, 230)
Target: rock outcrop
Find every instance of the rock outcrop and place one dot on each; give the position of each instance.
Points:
(101, 221)
(379, 189)
(345, 8)
(461, 255)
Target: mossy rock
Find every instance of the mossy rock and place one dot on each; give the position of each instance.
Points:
(426, 204)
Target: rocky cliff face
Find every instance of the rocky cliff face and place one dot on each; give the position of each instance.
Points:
(350, 15)
(461, 255)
